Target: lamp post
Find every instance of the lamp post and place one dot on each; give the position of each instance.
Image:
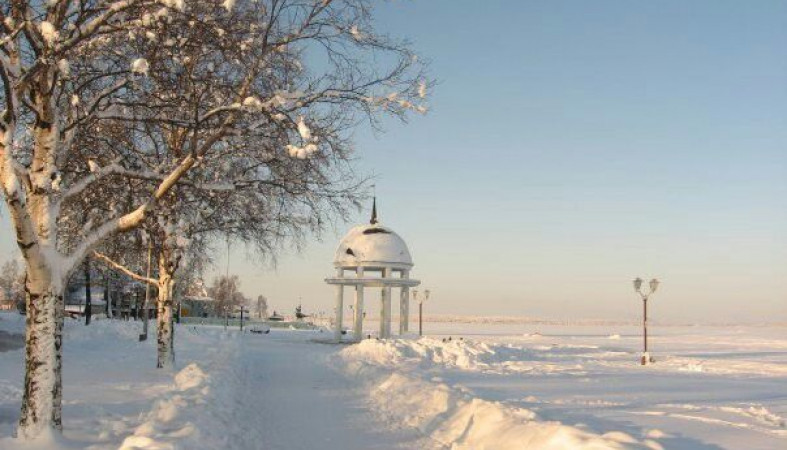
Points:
(653, 285)
(421, 309)
(144, 335)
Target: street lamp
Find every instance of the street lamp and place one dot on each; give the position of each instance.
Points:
(421, 309)
(653, 285)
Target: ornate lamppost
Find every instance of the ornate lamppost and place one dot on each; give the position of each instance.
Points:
(653, 285)
(242, 308)
(421, 302)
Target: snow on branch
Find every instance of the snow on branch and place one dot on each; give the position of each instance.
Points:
(115, 265)
(84, 183)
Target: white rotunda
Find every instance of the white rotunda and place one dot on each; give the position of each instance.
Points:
(375, 256)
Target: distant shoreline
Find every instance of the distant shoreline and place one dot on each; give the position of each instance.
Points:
(524, 320)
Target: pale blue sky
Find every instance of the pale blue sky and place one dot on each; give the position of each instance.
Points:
(574, 145)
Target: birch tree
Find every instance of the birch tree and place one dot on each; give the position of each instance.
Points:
(78, 71)
(264, 210)
(288, 149)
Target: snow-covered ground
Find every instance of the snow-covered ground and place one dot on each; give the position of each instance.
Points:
(710, 387)
(492, 385)
(230, 391)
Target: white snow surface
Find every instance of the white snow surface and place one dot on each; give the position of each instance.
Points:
(368, 246)
(710, 387)
(490, 386)
(49, 32)
(303, 129)
(140, 66)
(452, 416)
(230, 390)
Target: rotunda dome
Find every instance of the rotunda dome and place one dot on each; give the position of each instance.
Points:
(372, 245)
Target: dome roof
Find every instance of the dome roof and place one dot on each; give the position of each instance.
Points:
(370, 245)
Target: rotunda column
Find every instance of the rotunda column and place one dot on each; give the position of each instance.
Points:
(385, 314)
(404, 306)
(339, 305)
(358, 309)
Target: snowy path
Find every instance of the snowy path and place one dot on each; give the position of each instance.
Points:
(231, 390)
(304, 404)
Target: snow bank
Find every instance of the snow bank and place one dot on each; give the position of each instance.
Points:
(453, 417)
(201, 409)
(473, 355)
(190, 377)
(172, 418)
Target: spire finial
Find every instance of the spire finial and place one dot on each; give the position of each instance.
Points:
(374, 211)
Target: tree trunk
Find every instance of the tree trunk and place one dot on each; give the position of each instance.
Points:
(165, 332)
(34, 221)
(42, 399)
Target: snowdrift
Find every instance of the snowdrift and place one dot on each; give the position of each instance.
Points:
(470, 355)
(453, 417)
(202, 408)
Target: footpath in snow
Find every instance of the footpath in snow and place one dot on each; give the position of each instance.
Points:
(231, 391)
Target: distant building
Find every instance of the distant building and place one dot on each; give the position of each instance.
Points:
(6, 303)
(197, 306)
(125, 296)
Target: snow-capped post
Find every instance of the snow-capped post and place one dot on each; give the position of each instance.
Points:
(107, 311)
(88, 295)
(653, 285)
(228, 292)
(108, 292)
